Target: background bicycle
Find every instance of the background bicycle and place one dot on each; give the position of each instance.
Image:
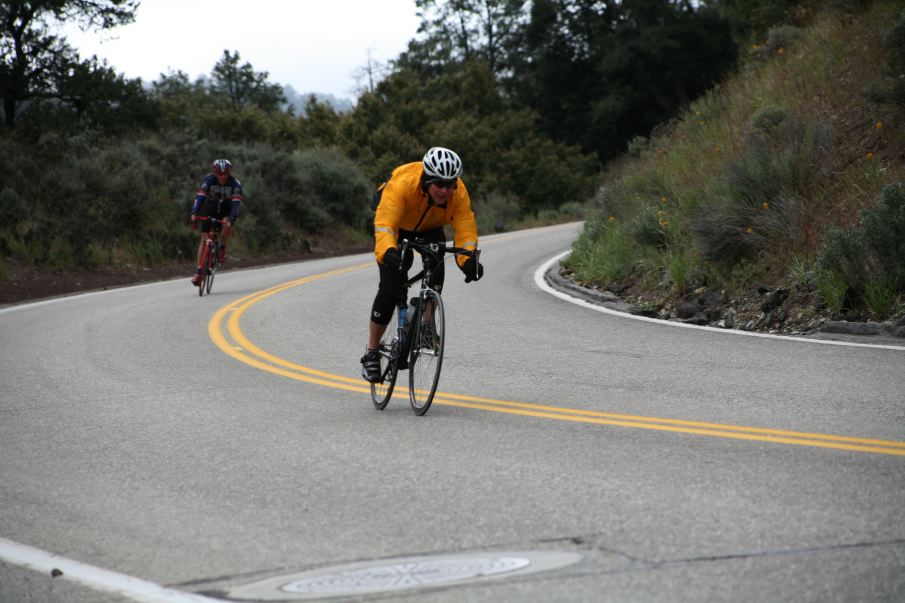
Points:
(418, 340)
(210, 256)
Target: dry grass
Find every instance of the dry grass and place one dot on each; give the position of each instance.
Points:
(707, 162)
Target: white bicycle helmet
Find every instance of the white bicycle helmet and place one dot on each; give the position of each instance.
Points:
(442, 164)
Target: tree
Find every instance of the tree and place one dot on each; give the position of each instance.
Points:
(320, 123)
(753, 18)
(30, 55)
(101, 97)
(462, 108)
(184, 103)
(602, 72)
(370, 73)
(467, 30)
(243, 86)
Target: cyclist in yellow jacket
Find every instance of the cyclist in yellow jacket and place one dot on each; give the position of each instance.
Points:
(419, 199)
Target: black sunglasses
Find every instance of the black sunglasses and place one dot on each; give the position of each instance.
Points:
(444, 183)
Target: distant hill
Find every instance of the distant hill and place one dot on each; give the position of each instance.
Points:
(297, 101)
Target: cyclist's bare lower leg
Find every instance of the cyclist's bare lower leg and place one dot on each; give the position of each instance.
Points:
(201, 246)
(375, 332)
(428, 311)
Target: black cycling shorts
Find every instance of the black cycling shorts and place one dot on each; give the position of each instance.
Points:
(212, 208)
(391, 281)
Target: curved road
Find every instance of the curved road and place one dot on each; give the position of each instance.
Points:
(158, 446)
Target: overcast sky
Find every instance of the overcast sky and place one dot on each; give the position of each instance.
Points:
(312, 45)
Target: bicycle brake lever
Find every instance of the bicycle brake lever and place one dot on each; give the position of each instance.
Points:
(405, 244)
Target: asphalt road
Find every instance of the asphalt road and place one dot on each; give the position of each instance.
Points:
(158, 446)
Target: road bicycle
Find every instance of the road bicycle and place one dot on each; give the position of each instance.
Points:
(210, 256)
(418, 339)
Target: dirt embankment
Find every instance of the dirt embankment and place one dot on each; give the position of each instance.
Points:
(31, 284)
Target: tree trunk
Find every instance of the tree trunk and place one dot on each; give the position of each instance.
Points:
(9, 111)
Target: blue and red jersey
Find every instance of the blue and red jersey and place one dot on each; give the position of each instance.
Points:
(212, 194)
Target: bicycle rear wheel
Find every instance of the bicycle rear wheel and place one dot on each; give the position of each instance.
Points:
(388, 349)
(426, 356)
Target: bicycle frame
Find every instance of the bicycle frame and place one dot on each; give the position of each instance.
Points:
(399, 352)
(432, 257)
(210, 255)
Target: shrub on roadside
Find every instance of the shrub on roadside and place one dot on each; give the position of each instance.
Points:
(496, 212)
(867, 262)
(768, 194)
(881, 297)
(335, 185)
(602, 253)
(884, 234)
(892, 91)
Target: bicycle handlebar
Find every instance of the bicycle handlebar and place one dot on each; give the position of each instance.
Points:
(436, 251)
(439, 249)
(207, 219)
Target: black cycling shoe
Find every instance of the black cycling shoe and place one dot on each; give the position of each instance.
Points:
(370, 366)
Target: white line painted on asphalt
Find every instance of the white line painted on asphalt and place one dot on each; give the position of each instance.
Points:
(94, 577)
(76, 295)
(541, 282)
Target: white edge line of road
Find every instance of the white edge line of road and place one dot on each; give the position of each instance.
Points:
(94, 577)
(541, 282)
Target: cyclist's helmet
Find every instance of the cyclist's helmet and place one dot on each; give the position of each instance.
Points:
(222, 167)
(441, 164)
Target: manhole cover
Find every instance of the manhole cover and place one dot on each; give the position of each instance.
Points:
(399, 574)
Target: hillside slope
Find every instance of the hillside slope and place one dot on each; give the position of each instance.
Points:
(750, 205)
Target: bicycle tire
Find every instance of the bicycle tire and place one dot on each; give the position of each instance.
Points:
(382, 391)
(202, 287)
(213, 253)
(426, 355)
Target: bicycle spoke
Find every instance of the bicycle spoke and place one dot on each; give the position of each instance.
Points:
(202, 287)
(382, 391)
(211, 270)
(426, 356)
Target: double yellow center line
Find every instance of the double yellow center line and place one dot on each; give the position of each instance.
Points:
(234, 343)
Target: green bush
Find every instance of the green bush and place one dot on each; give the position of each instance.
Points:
(602, 253)
(496, 212)
(683, 272)
(832, 290)
(842, 255)
(645, 228)
(783, 36)
(572, 210)
(866, 263)
(881, 297)
(767, 195)
(111, 204)
(335, 185)
(637, 146)
(884, 235)
(767, 119)
(892, 91)
(895, 44)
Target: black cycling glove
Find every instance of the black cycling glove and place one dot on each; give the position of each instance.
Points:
(392, 259)
(473, 270)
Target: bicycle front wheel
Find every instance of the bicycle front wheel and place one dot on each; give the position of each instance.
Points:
(213, 255)
(389, 354)
(205, 273)
(426, 356)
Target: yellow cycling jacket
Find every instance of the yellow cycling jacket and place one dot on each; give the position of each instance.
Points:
(403, 203)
